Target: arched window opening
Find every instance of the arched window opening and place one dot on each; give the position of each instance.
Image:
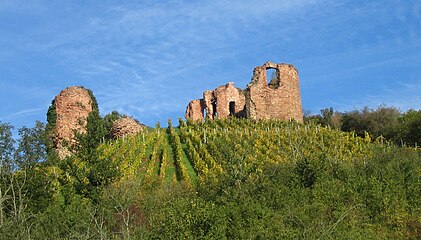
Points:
(273, 78)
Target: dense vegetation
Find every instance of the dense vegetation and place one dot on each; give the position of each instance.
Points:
(384, 122)
(234, 179)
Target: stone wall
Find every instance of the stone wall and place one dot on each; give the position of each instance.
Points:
(72, 106)
(224, 101)
(278, 99)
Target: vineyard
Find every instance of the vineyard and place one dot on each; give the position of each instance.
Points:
(198, 151)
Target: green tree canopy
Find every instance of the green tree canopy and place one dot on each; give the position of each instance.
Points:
(6, 147)
(31, 146)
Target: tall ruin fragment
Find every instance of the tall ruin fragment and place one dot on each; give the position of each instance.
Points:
(277, 99)
(68, 114)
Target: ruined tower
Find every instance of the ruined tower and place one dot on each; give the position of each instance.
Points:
(278, 99)
(68, 115)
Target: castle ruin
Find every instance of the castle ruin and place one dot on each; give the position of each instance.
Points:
(72, 107)
(277, 99)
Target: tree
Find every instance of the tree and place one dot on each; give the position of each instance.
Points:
(31, 146)
(409, 129)
(108, 122)
(6, 147)
(6, 158)
(376, 122)
(330, 118)
(327, 117)
(89, 170)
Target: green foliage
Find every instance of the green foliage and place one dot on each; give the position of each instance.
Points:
(408, 131)
(90, 172)
(255, 179)
(108, 122)
(49, 128)
(31, 146)
(306, 173)
(51, 116)
(377, 122)
(6, 147)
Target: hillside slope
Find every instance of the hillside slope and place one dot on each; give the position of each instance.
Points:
(268, 179)
(221, 179)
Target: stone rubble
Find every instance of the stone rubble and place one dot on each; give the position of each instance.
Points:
(126, 126)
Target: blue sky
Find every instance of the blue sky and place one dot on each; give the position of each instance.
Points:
(148, 59)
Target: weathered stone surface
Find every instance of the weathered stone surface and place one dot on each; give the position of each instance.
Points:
(73, 106)
(195, 110)
(224, 101)
(278, 99)
(126, 126)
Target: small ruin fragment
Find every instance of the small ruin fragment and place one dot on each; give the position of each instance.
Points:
(125, 126)
(278, 98)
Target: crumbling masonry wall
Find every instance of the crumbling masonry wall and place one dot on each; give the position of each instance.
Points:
(68, 116)
(224, 101)
(278, 99)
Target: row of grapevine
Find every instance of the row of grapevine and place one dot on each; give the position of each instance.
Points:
(154, 165)
(198, 164)
(203, 161)
(178, 154)
(128, 153)
(154, 154)
(164, 160)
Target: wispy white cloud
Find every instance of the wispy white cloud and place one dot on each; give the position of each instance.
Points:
(22, 113)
